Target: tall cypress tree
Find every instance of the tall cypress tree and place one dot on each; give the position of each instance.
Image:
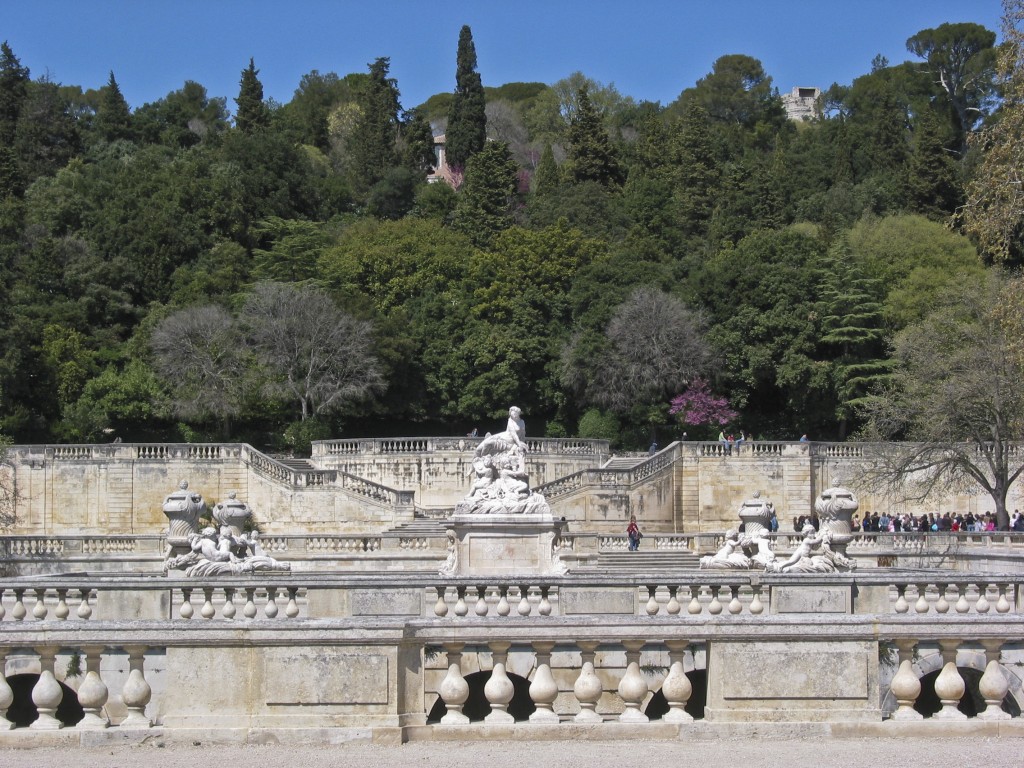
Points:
(253, 115)
(14, 80)
(373, 141)
(467, 123)
(113, 120)
(933, 187)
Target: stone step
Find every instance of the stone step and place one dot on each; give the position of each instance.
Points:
(644, 561)
(624, 462)
(300, 465)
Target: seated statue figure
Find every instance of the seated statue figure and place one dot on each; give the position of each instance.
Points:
(511, 441)
(730, 556)
(804, 559)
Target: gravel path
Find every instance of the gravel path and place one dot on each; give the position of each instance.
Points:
(746, 753)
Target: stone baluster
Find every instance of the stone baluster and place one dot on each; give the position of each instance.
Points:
(136, 692)
(735, 606)
(962, 606)
(949, 685)
(905, 685)
(440, 607)
(62, 611)
(921, 606)
(454, 690)
(1003, 604)
(544, 607)
(942, 605)
(291, 610)
(18, 612)
(499, 689)
(270, 609)
(694, 607)
(588, 685)
(461, 609)
(92, 693)
(652, 606)
(84, 609)
(993, 684)
(901, 606)
(47, 693)
(677, 688)
(756, 606)
(6, 694)
(186, 611)
(715, 606)
(208, 611)
(250, 610)
(524, 608)
(982, 606)
(228, 609)
(481, 607)
(503, 608)
(673, 607)
(632, 687)
(39, 610)
(543, 688)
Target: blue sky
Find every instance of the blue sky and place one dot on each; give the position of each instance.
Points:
(649, 50)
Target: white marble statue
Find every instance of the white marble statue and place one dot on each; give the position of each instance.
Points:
(500, 484)
(730, 556)
(213, 553)
(814, 555)
(763, 556)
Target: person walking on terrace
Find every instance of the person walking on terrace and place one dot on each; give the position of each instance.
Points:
(633, 534)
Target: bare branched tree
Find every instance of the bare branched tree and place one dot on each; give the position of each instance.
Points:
(199, 352)
(654, 347)
(956, 400)
(312, 352)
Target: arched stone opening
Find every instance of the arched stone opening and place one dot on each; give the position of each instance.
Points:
(477, 707)
(23, 710)
(657, 707)
(971, 703)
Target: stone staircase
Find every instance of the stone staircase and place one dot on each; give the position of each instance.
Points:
(420, 526)
(624, 462)
(299, 465)
(643, 561)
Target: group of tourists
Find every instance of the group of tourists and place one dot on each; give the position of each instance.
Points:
(933, 522)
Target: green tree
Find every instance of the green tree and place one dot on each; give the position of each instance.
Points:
(288, 249)
(933, 187)
(14, 88)
(994, 211)
(960, 58)
(374, 137)
(546, 178)
(697, 175)
(484, 205)
(181, 119)
(113, 120)
(591, 155)
(253, 114)
(467, 122)
(955, 398)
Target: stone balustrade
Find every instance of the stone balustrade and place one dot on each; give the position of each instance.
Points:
(402, 656)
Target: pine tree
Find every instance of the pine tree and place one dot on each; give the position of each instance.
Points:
(113, 120)
(932, 185)
(698, 175)
(467, 123)
(591, 155)
(372, 142)
(545, 180)
(484, 204)
(253, 115)
(419, 144)
(14, 81)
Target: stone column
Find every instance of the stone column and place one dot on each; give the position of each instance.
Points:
(905, 685)
(47, 693)
(993, 685)
(588, 685)
(92, 693)
(136, 692)
(677, 687)
(454, 690)
(6, 694)
(499, 689)
(949, 685)
(543, 688)
(633, 688)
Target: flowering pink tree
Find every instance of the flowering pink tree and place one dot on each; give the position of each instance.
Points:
(698, 407)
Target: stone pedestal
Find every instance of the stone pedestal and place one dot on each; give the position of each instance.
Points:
(506, 545)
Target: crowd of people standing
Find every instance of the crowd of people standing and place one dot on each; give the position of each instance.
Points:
(933, 522)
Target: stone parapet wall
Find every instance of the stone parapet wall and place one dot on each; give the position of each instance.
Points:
(369, 486)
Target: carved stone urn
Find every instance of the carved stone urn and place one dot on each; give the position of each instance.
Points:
(756, 514)
(835, 508)
(232, 513)
(183, 509)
